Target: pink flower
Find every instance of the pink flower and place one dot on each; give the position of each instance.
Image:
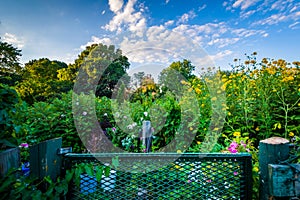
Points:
(235, 173)
(232, 150)
(234, 145)
(24, 145)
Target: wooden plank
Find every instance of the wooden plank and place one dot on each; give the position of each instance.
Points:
(9, 159)
(44, 160)
(281, 182)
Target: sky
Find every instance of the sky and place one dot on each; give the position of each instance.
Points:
(207, 32)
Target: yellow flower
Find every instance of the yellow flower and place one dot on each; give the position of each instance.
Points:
(237, 134)
(216, 129)
(191, 128)
(257, 129)
(255, 169)
(291, 134)
(279, 126)
(198, 142)
(214, 98)
(177, 166)
(198, 91)
(179, 151)
(229, 113)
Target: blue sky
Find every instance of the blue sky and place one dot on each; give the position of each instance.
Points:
(220, 30)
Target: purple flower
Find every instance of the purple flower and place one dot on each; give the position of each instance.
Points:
(232, 150)
(235, 173)
(234, 145)
(113, 129)
(24, 145)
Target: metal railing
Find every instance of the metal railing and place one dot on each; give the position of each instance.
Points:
(165, 176)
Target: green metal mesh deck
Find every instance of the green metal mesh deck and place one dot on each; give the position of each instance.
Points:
(191, 176)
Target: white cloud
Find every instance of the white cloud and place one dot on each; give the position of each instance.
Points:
(202, 7)
(186, 17)
(247, 14)
(294, 25)
(97, 40)
(244, 33)
(244, 4)
(103, 12)
(222, 42)
(127, 18)
(167, 1)
(169, 23)
(115, 5)
(221, 55)
(14, 40)
(165, 44)
(273, 19)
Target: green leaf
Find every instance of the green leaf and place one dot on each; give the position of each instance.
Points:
(89, 170)
(99, 173)
(69, 175)
(106, 171)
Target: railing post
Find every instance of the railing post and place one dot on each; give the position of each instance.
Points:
(271, 151)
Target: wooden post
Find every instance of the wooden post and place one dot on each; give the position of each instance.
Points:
(44, 160)
(271, 151)
(9, 159)
(280, 181)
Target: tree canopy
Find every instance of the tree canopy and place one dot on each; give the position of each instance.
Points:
(10, 67)
(40, 81)
(100, 66)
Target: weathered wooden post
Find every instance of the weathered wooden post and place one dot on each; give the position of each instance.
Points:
(9, 159)
(44, 159)
(271, 151)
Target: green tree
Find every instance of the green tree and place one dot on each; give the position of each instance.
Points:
(101, 68)
(185, 68)
(8, 99)
(40, 81)
(10, 67)
(177, 72)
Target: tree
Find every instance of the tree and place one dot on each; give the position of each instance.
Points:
(40, 81)
(10, 67)
(177, 72)
(8, 99)
(101, 68)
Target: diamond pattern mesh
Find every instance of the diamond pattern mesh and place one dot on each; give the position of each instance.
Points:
(191, 176)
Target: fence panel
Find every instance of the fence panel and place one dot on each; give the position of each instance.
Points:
(191, 176)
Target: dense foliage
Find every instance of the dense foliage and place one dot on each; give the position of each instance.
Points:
(262, 100)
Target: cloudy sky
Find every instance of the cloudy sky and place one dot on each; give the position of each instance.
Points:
(194, 29)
